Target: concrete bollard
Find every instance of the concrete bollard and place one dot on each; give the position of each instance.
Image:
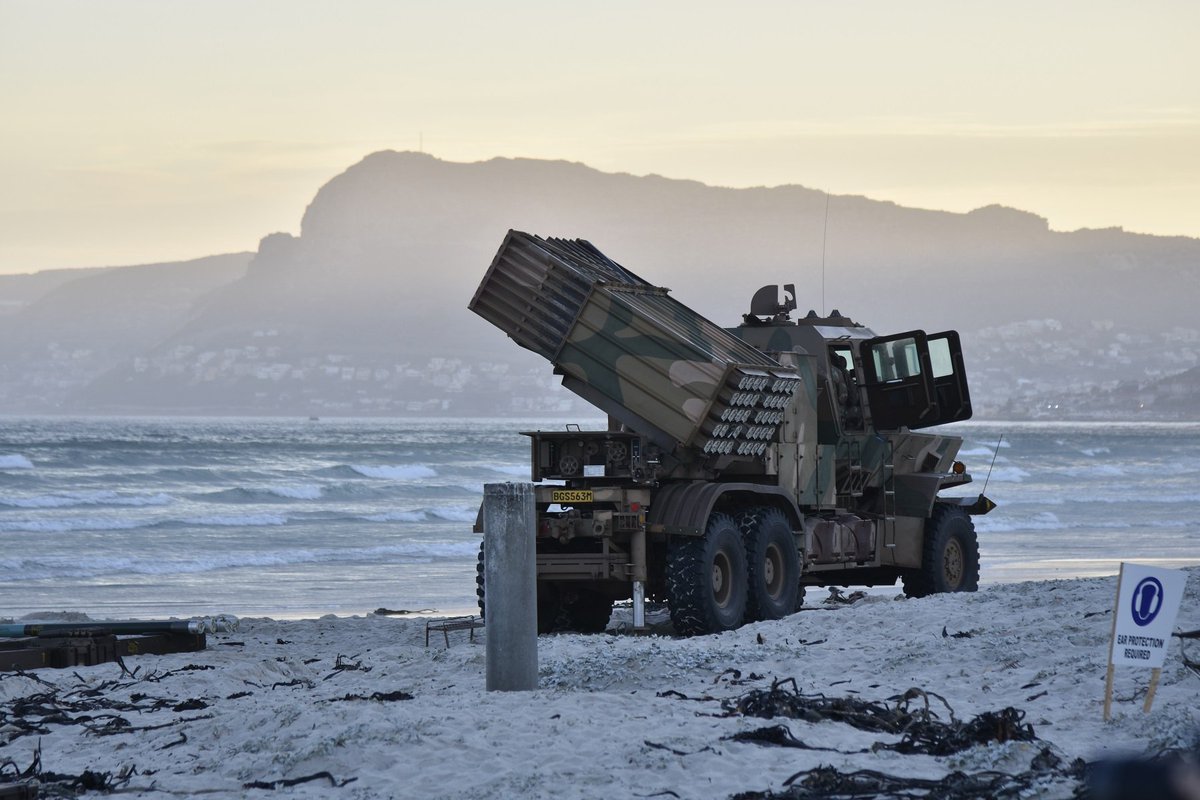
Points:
(510, 586)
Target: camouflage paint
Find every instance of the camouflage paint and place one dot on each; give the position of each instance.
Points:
(635, 352)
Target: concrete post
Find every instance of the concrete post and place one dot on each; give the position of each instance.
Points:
(510, 586)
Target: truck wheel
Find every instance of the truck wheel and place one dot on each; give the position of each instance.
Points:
(479, 581)
(548, 604)
(706, 579)
(772, 564)
(950, 561)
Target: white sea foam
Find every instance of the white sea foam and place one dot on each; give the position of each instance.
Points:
(1156, 498)
(395, 472)
(306, 491)
(460, 514)
(398, 516)
(520, 470)
(1004, 474)
(15, 461)
(1045, 521)
(458, 549)
(97, 498)
(238, 520)
(1094, 471)
(50, 567)
(69, 524)
(450, 514)
(1095, 451)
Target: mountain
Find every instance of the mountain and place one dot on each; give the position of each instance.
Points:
(19, 291)
(365, 310)
(74, 326)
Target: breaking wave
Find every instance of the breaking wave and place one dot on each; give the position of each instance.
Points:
(54, 567)
(1045, 521)
(95, 524)
(397, 472)
(397, 516)
(238, 520)
(96, 498)
(455, 514)
(69, 524)
(15, 461)
(243, 494)
(1004, 475)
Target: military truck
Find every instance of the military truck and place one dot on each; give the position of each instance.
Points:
(738, 466)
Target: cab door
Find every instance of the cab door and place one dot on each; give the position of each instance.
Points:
(898, 379)
(949, 377)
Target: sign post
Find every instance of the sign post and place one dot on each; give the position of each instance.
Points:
(1148, 600)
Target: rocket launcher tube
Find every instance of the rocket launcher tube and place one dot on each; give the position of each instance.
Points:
(632, 350)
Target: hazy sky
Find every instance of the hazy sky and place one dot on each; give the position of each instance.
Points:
(133, 132)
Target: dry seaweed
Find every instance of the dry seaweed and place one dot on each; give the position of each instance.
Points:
(658, 746)
(779, 701)
(909, 715)
(343, 664)
(781, 736)
(283, 783)
(936, 738)
(827, 782)
(381, 697)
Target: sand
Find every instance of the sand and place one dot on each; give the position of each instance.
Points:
(608, 719)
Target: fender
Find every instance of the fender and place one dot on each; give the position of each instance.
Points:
(683, 509)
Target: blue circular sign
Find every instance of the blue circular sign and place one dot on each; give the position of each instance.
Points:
(1147, 601)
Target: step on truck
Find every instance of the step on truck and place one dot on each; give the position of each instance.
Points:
(738, 466)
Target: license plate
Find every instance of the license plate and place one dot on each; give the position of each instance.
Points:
(571, 496)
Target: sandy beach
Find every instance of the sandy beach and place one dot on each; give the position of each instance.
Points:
(364, 700)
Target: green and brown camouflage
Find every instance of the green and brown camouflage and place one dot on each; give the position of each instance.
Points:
(813, 424)
(634, 351)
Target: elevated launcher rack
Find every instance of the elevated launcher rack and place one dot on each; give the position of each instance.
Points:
(633, 351)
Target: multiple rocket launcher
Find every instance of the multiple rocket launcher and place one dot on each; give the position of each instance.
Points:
(633, 351)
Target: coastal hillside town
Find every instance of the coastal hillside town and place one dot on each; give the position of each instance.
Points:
(1036, 369)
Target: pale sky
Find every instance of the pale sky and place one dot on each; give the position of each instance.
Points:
(134, 132)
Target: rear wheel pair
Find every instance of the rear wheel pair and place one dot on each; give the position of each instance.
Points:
(772, 564)
(740, 570)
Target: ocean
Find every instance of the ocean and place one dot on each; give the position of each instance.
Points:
(133, 517)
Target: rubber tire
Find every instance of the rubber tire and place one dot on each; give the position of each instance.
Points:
(479, 593)
(695, 608)
(950, 559)
(767, 532)
(548, 605)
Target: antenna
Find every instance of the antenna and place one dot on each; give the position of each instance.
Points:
(989, 475)
(824, 232)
